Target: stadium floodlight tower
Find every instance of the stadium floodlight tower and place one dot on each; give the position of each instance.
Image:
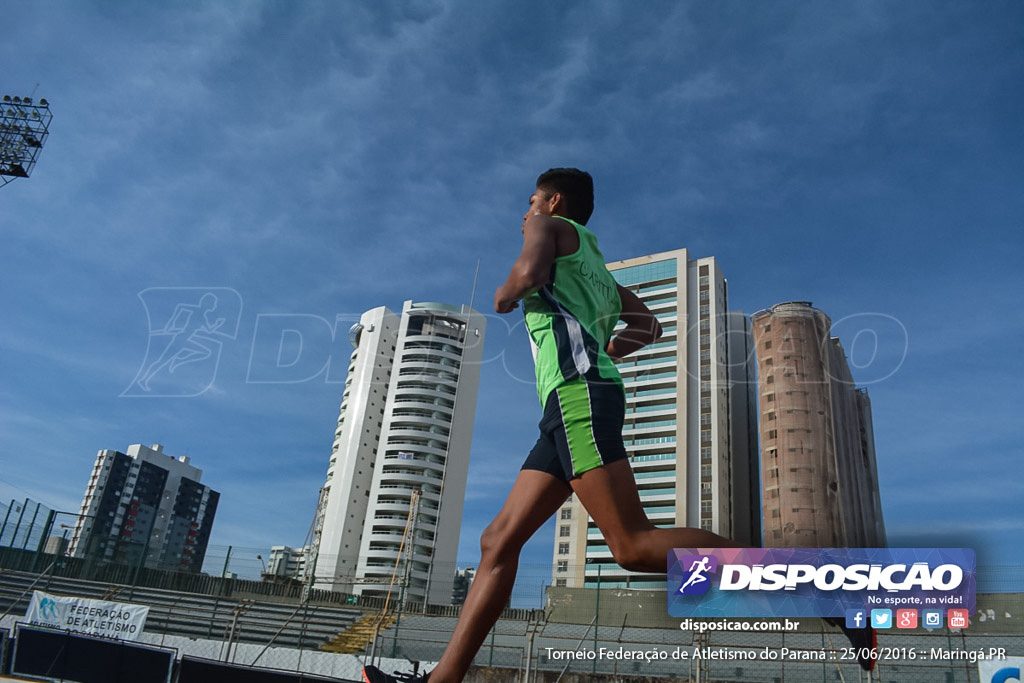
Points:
(24, 126)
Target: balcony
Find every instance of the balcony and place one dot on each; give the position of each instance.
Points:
(424, 428)
(659, 495)
(425, 392)
(396, 442)
(661, 476)
(427, 463)
(415, 400)
(408, 477)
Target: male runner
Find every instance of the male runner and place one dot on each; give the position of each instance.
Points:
(572, 304)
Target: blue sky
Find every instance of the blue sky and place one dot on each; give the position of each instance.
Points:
(311, 161)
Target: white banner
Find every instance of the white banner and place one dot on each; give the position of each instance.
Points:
(93, 617)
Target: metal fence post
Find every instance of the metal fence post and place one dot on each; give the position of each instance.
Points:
(41, 546)
(31, 525)
(224, 572)
(597, 613)
(138, 568)
(17, 526)
(3, 527)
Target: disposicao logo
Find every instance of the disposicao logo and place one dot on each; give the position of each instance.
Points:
(696, 580)
(817, 582)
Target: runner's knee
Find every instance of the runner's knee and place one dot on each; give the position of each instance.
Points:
(495, 541)
(628, 554)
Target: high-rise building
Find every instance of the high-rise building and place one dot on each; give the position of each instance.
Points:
(401, 453)
(145, 502)
(286, 563)
(689, 427)
(463, 581)
(819, 476)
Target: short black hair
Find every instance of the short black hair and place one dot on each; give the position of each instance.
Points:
(576, 186)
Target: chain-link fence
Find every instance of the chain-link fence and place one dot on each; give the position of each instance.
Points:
(626, 635)
(575, 634)
(237, 611)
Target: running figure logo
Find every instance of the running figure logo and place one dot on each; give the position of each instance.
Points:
(48, 607)
(187, 330)
(696, 581)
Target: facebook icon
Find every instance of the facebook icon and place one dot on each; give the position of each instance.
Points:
(856, 618)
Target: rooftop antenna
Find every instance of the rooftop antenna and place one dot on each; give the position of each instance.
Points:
(472, 295)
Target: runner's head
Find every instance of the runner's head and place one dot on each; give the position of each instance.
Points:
(576, 188)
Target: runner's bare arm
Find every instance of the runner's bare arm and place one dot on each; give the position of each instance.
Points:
(532, 270)
(641, 329)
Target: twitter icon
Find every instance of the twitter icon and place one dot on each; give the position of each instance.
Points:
(881, 618)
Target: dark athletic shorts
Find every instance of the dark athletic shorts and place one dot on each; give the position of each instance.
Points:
(581, 429)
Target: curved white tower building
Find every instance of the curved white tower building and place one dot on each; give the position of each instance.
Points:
(404, 436)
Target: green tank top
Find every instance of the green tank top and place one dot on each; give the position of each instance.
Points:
(571, 319)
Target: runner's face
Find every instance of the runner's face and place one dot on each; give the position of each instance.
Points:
(541, 203)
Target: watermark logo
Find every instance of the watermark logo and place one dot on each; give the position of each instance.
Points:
(931, 618)
(881, 618)
(906, 618)
(188, 327)
(957, 618)
(856, 618)
(696, 580)
(865, 585)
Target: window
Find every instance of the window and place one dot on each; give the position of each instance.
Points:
(564, 531)
(566, 513)
(563, 548)
(563, 565)
(560, 583)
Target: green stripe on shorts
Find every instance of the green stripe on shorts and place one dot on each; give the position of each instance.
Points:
(578, 419)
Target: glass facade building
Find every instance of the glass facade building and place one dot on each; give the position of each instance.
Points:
(689, 430)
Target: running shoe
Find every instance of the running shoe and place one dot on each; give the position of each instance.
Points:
(372, 674)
